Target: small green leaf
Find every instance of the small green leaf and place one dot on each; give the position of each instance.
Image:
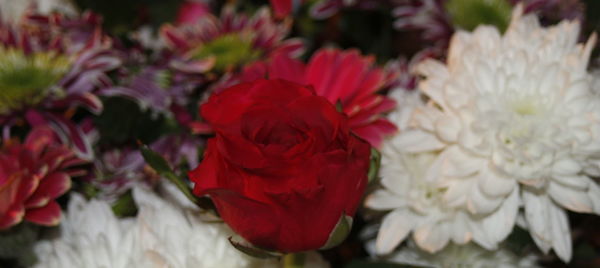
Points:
(125, 205)
(340, 232)
(156, 161)
(253, 251)
(468, 14)
(375, 164)
(161, 166)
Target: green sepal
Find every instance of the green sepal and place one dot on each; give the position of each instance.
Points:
(253, 251)
(375, 164)
(340, 232)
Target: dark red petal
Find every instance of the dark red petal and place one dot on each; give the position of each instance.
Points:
(9, 192)
(173, 38)
(48, 215)
(51, 187)
(13, 216)
(255, 221)
(375, 131)
(284, 67)
(39, 138)
(281, 8)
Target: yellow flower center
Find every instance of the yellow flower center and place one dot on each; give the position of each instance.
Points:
(230, 50)
(26, 79)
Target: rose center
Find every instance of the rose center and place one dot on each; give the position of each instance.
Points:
(279, 134)
(229, 50)
(25, 79)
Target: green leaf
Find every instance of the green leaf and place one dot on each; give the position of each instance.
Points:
(375, 164)
(125, 205)
(253, 251)
(340, 232)
(468, 14)
(157, 162)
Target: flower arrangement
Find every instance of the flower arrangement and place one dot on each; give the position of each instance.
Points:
(291, 133)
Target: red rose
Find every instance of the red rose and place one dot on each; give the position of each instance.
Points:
(283, 167)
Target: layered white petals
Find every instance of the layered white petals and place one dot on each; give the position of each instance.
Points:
(164, 234)
(468, 255)
(423, 199)
(509, 119)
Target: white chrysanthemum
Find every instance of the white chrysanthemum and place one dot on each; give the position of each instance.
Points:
(468, 255)
(417, 199)
(513, 113)
(12, 10)
(162, 235)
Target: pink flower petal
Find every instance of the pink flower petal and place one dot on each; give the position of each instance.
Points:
(48, 215)
(51, 186)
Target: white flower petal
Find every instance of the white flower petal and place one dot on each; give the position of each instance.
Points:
(417, 141)
(432, 237)
(495, 185)
(561, 233)
(478, 203)
(395, 227)
(566, 166)
(458, 163)
(578, 182)
(570, 198)
(447, 128)
(384, 200)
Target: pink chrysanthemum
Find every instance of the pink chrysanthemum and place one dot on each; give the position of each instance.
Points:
(49, 65)
(32, 175)
(342, 76)
(228, 42)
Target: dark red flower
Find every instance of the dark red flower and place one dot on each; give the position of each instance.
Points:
(32, 175)
(283, 167)
(343, 76)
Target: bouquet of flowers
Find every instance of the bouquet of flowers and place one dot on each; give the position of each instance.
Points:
(293, 133)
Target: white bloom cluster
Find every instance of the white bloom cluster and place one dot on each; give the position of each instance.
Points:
(164, 234)
(469, 255)
(509, 121)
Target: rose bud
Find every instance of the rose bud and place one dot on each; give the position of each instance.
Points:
(283, 169)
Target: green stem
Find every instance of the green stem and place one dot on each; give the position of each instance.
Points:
(294, 260)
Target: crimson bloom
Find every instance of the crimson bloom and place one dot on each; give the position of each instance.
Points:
(283, 8)
(284, 168)
(32, 175)
(341, 76)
